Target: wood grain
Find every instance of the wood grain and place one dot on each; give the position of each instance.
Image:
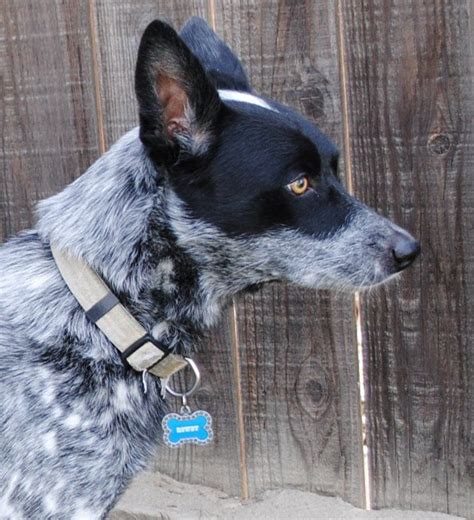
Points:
(119, 27)
(47, 120)
(297, 348)
(410, 88)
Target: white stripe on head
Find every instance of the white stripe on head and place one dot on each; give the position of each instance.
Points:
(244, 97)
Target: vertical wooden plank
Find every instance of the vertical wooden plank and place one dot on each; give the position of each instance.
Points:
(298, 352)
(410, 85)
(119, 26)
(47, 119)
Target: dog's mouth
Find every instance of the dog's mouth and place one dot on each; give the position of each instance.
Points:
(362, 267)
(376, 263)
(385, 269)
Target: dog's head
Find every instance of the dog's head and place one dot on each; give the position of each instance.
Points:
(251, 184)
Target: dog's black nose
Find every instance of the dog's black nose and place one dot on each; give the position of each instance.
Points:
(405, 250)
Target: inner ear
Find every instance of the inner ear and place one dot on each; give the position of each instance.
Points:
(179, 106)
(174, 102)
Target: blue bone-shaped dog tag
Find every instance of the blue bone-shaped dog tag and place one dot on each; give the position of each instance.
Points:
(187, 428)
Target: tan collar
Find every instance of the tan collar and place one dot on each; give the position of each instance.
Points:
(102, 307)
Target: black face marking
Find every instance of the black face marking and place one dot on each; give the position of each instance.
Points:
(232, 160)
(240, 186)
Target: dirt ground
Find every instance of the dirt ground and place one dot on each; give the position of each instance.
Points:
(157, 497)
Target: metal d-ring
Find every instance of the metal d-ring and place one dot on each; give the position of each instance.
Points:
(195, 386)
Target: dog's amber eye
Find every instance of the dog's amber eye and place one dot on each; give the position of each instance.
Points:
(300, 186)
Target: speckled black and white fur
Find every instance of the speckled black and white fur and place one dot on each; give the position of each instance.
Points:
(179, 215)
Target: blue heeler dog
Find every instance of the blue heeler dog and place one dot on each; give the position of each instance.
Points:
(217, 191)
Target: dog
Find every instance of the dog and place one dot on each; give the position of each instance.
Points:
(217, 191)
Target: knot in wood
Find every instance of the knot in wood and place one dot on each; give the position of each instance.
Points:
(313, 394)
(439, 144)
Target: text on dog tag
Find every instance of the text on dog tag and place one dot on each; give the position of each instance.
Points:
(187, 428)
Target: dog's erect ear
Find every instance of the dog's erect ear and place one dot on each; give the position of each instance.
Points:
(217, 58)
(177, 102)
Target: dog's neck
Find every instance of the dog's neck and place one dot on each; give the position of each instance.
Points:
(171, 300)
(123, 220)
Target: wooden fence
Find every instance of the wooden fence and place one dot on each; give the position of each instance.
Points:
(392, 82)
